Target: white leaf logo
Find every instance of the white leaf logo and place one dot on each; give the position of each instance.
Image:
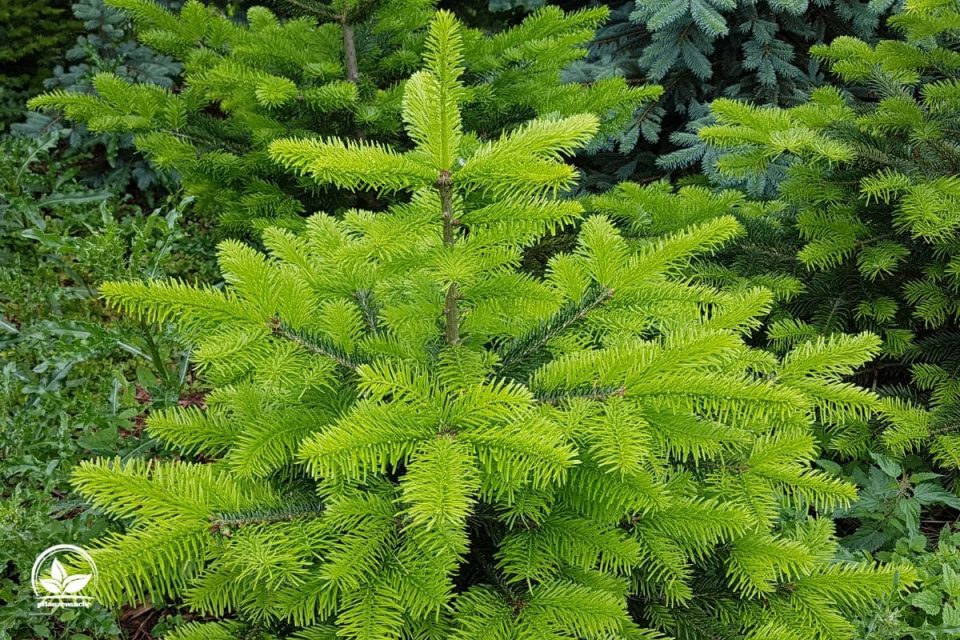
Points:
(57, 571)
(60, 582)
(57, 588)
(51, 586)
(76, 582)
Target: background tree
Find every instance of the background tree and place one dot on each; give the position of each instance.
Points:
(864, 236)
(871, 176)
(700, 50)
(337, 70)
(32, 33)
(105, 45)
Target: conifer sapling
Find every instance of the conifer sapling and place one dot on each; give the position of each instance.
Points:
(407, 437)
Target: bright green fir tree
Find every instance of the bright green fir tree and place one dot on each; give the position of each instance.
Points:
(871, 191)
(338, 69)
(408, 437)
(864, 235)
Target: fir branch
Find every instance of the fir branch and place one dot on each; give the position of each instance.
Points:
(225, 523)
(325, 13)
(520, 348)
(369, 307)
(557, 396)
(451, 315)
(313, 343)
(347, 21)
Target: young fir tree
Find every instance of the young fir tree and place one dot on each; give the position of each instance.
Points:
(871, 182)
(700, 50)
(338, 69)
(407, 437)
(865, 236)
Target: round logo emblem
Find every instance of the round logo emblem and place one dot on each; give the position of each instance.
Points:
(60, 574)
